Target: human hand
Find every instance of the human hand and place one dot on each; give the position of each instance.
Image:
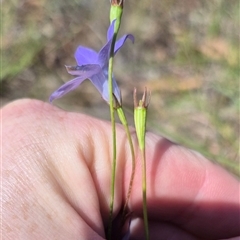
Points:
(56, 174)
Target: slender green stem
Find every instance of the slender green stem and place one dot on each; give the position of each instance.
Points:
(124, 122)
(140, 118)
(144, 193)
(111, 104)
(114, 152)
(115, 14)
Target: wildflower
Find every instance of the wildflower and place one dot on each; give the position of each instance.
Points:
(93, 66)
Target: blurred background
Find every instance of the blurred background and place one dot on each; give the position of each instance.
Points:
(186, 52)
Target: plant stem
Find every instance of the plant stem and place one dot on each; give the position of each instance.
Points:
(144, 193)
(140, 118)
(124, 122)
(111, 105)
(114, 153)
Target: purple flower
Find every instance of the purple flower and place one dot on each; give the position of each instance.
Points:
(93, 66)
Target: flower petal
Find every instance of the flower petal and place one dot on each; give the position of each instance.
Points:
(111, 30)
(80, 70)
(100, 81)
(116, 91)
(119, 43)
(84, 72)
(65, 88)
(85, 56)
(103, 55)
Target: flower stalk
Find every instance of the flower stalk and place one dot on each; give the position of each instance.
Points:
(140, 118)
(124, 122)
(98, 68)
(115, 15)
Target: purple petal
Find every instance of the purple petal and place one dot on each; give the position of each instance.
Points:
(103, 55)
(65, 88)
(80, 70)
(85, 56)
(111, 30)
(116, 91)
(74, 83)
(100, 81)
(119, 43)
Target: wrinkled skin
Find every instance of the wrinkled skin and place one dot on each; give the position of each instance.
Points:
(56, 172)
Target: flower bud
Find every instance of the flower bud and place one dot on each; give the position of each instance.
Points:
(116, 11)
(140, 116)
(117, 3)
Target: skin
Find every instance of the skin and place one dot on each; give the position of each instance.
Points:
(56, 172)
